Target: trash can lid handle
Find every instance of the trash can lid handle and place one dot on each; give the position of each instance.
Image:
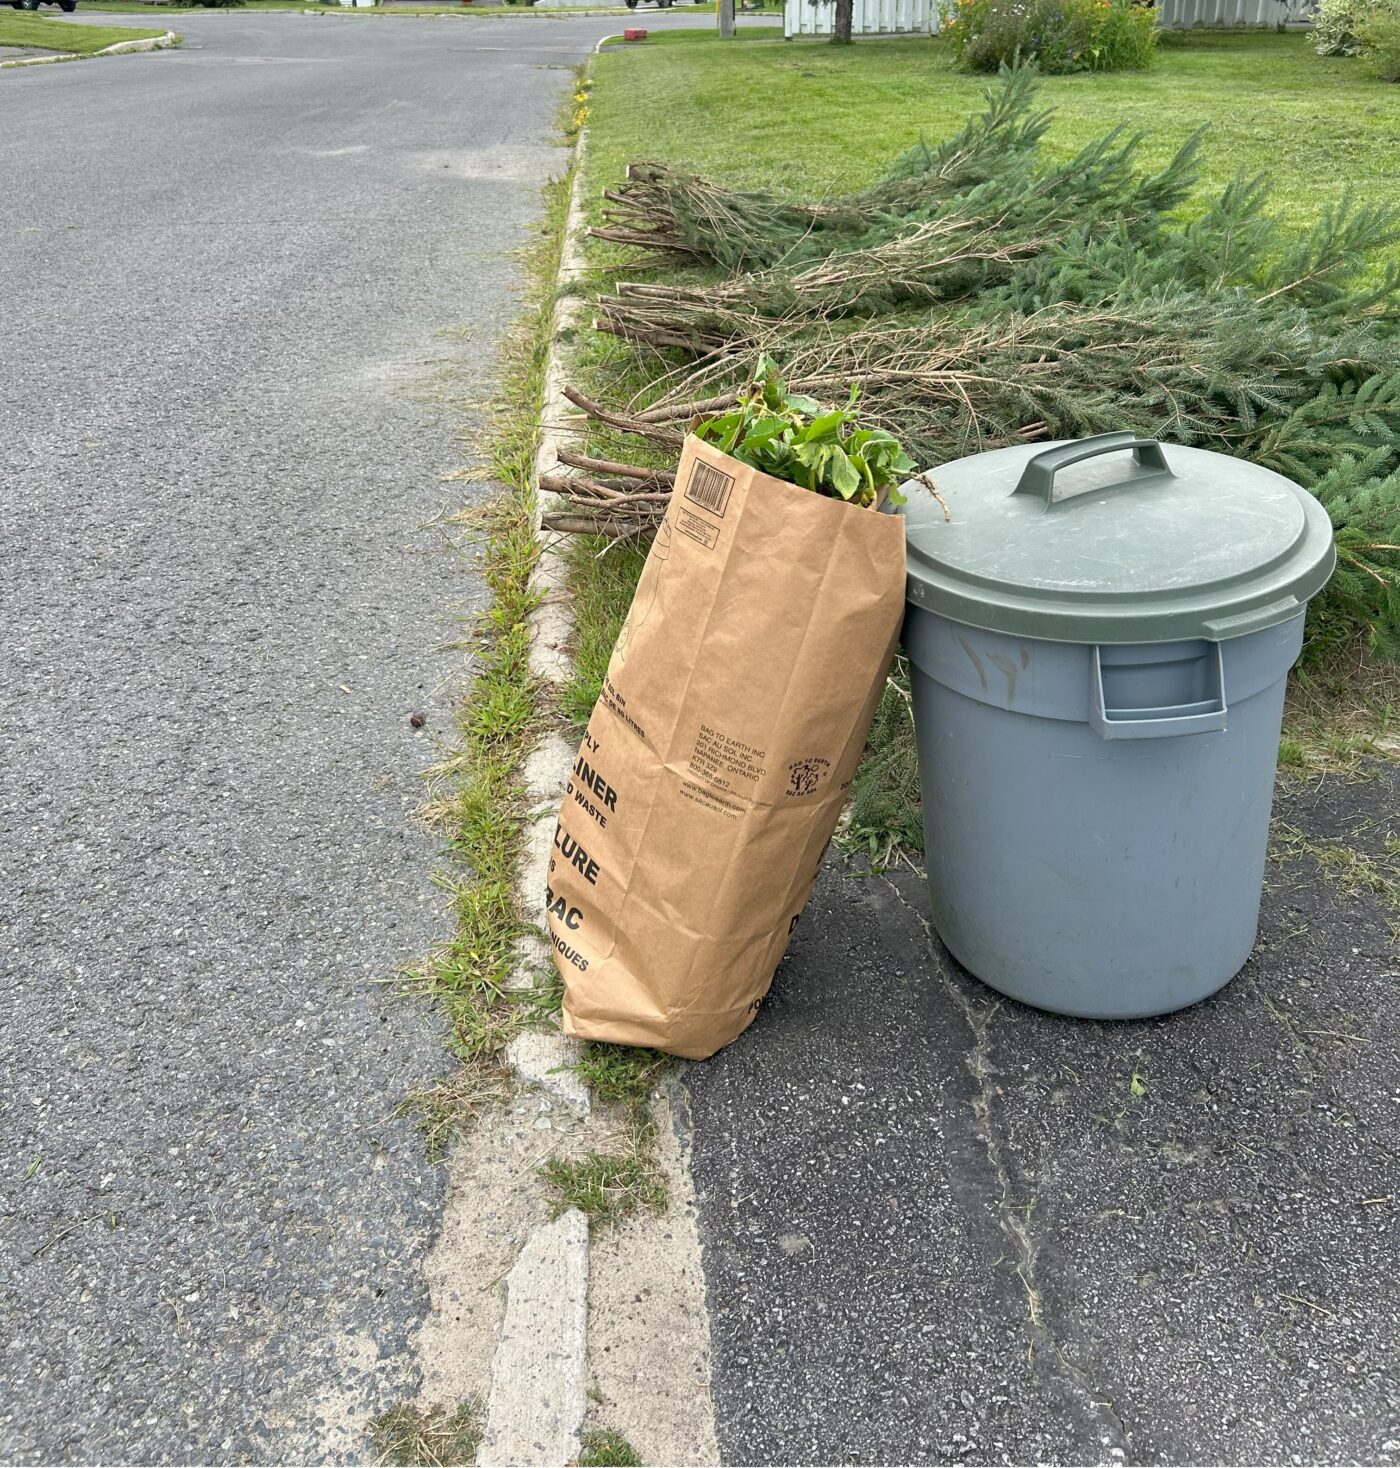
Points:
(1038, 477)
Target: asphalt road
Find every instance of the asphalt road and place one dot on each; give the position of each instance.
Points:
(232, 279)
(943, 1227)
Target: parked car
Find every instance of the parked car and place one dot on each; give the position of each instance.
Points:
(68, 5)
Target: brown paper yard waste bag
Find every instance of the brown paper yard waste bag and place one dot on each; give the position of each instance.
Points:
(733, 715)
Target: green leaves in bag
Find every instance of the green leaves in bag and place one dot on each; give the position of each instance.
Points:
(793, 437)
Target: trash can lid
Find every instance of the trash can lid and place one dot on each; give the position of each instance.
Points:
(1114, 539)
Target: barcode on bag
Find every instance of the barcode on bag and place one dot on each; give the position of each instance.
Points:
(709, 488)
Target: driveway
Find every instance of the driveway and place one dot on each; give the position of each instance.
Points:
(248, 285)
(942, 1227)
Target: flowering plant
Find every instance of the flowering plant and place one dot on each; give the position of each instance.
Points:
(1057, 35)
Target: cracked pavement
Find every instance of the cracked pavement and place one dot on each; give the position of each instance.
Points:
(940, 1226)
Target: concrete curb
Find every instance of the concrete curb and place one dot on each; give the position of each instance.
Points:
(541, 1059)
(535, 1411)
(118, 48)
(153, 43)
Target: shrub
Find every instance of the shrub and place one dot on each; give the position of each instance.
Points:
(1378, 25)
(1334, 29)
(1127, 37)
(1057, 35)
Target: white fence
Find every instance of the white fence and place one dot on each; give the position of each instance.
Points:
(1183, 14)
(920, 17)
(868, 17)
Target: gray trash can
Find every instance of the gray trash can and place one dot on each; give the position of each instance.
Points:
(1100, 635)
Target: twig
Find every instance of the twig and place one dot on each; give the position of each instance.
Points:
(669, 412)
(586, 525)
(625, 421)
(61, 1234)
(1299, 1300)
(608, 466)
(570, 484)
(926, 479)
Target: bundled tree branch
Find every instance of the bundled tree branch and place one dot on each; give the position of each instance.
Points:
(981, 294)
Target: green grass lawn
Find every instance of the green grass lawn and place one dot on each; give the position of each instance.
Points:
(808, 115)
(24, 28)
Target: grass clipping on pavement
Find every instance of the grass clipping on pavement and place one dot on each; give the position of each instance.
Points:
(436, 1437)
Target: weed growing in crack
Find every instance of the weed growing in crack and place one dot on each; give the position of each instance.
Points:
(609, 1186)
(612, 1185)
(604, 1186)
(438, 1437)
(620, 1075)
(604, 1448)
(541, 1003)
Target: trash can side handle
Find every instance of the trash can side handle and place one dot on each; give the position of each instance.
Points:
(1038, 477)
(1209, 716)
